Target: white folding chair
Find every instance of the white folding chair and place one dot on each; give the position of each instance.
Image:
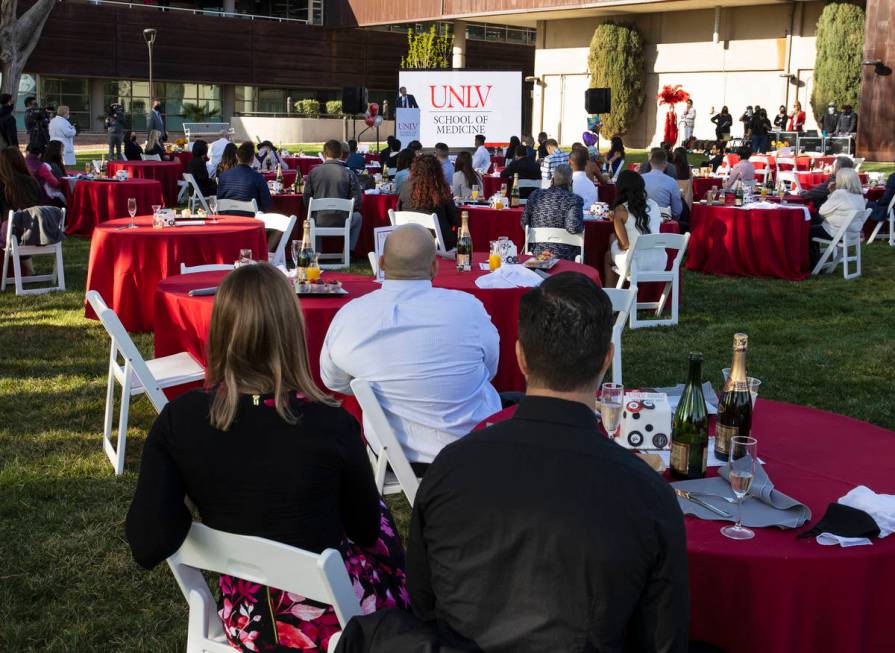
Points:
(789, 181)
(890, 218)
(527, 183)
(836, 251)
(317, 205)
(554, 235)
(212, 267)
(374, 263)
(321, 578)
(622, 301)
(427, 220)
(239, 207)
(150, 157)
(785, 161)
(13, 252)
(196, 196)
(136, 376)
(284, 225)
(636, 277)
(383, 446)
(618, 171)
(859, 161)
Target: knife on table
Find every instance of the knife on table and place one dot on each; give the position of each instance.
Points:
(700, 502)
(203, 292)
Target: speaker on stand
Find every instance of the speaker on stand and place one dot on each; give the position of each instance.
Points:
(598, 100)
(354, 101)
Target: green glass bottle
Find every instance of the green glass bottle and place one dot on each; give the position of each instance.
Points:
(464, 245)
(690, 429)
(735, 406)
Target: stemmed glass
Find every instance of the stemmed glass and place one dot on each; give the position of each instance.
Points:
(213, 207)
(132, 211)
(296, 251)
(611, 399)
(743, 451)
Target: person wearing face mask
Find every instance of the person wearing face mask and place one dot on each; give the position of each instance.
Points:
(746, 119)
(830, 120)
(847, 122)
(155, 119)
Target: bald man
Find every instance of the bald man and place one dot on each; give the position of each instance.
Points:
(429, 353)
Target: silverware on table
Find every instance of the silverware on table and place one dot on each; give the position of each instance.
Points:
(700, 502)
(714, 496)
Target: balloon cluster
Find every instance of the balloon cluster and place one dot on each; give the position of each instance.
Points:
(372, 117)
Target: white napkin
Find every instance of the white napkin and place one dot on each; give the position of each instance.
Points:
(509, 276)
(879, 506)
(371, 191)
(763, 205)
(189, 223)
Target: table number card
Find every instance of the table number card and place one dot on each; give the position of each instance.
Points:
(379, 236)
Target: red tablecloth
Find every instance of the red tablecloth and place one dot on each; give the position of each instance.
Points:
(749, 242)
(778, 594)
(491, 185)
(875, 193)
(93, 202)
(167, 173)
(181, 321)
(701, 186)
(303, 163)
(808, 180)
(288, 177)
(184, 158)
(606, 193)
(126, 264)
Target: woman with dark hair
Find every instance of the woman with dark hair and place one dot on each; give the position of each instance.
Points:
(132, 149)
(780, 119)
(633, 215)
(228, 160)
(49, 184)
(402, 174)
(615, 156)
(723, 122)
(199, 170)
(683, 174)
(510, 153)
(18, 190)
(306, 481)
(52, 157)
(465, 177)
(427, 192)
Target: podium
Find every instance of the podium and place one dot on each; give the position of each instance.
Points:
(407, 125)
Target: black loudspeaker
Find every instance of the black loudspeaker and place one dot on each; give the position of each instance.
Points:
(354, 99)
(597, 100)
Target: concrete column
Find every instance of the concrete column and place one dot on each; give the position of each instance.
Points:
(230, 6)
(97, 105)
(459, 60)
(228, 101)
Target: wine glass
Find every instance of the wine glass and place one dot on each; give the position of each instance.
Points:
(474, 192)
(132, 211)
(741, 472)
(296, 251)
(611, 399)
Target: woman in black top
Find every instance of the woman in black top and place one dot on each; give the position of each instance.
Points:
(154, 145)
(264, 452)
(132, 149)
(780, 119)
(723, 122)
(427, 192)
(199, 169)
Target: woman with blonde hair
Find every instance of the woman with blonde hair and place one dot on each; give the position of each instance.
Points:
(846, 197)
(154, 145)
(263, 451)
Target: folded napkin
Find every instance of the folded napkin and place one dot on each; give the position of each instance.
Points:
(855, 518)
(763, 205)
(371, 191)
(509, 276)
(763, 506)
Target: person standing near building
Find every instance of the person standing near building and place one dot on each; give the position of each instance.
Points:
(797, 118)
(481, 160)
(36, 122)
(62, 130)
(723, 122)
(847, 123)
(155, 120)
(830, 120)
(9, 136)
(689, 122)
(115, 127)
(746, 119)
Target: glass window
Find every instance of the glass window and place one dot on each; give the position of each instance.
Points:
(70, 91)
(181, 101)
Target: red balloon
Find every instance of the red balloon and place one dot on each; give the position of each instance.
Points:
(374, 108)
(370, 120)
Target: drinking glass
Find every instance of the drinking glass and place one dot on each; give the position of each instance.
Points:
(611, 399)
(245, 256)
(503, 189)
(494, 257)
(742, 470)
(474, 193)
(314, 269)
(296, 250)
(132, 211)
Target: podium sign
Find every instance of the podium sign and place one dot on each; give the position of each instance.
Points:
(407, 125)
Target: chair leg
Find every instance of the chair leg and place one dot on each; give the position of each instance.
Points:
(110, 407)
(59, 270)
(17, 272)
(879, 225)
(5, 270)
(122, 420)
(662, 299)
(676, 297)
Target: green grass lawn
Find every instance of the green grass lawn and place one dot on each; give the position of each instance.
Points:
(67, 582)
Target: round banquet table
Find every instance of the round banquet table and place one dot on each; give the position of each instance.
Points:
(181, 321)
(491, 185)
(749, 242)
(702, 185)
(303, 163)
(779, 594)
(93, 202)
(126, 264)
(167, 173)
(288, 177)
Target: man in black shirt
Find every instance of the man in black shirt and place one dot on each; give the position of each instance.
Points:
(525, 167)
(539, 534)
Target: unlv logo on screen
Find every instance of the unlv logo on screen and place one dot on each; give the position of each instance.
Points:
(465, 96)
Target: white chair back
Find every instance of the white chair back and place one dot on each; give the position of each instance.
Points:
(890, 218)
(332, 204)
(212, 267)
(13, 253)
(636, 277)
(859, 161)
(618, 170)
(196, 196)
(839, 250)
(240, 207)
(321, 578)
(150, 157)
(622, 302)
(789, 180)
(528, 183)
(554, 235)
(284, 224)
(385, 448)
(427, 220)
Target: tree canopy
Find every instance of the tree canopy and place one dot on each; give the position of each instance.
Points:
(615, 60)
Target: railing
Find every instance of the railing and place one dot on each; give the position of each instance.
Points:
(203, 12)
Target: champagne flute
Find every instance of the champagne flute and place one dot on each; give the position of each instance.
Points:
(296, 251)
(132, 211)
(213, 207)
(611, 399)
(741, 472)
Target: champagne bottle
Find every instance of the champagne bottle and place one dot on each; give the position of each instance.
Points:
(385, 170)
(735, 407)
(305, 253)
(514, 194)
(738, 198)
(280, 174)
(690, 429)
(299, 181)
(464, 245)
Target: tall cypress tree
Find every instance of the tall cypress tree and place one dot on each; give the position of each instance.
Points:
(840, 47)
(616, 61)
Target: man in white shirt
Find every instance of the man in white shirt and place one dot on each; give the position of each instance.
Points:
(429, 353)
(481, 160)
(582, 186)
(216, 151)
(689, 122)
(444, 157)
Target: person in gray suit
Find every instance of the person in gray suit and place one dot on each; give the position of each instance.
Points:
(155, 119)
(334, 180)
(115, 127)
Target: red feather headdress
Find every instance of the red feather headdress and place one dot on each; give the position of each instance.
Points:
(672, 94)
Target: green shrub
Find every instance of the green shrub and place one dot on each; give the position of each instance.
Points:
(309, 108)
(334, 108)
(428, 50)
(615, 61)
(837, 66)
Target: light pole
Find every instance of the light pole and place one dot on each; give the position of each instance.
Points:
(149, 37)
